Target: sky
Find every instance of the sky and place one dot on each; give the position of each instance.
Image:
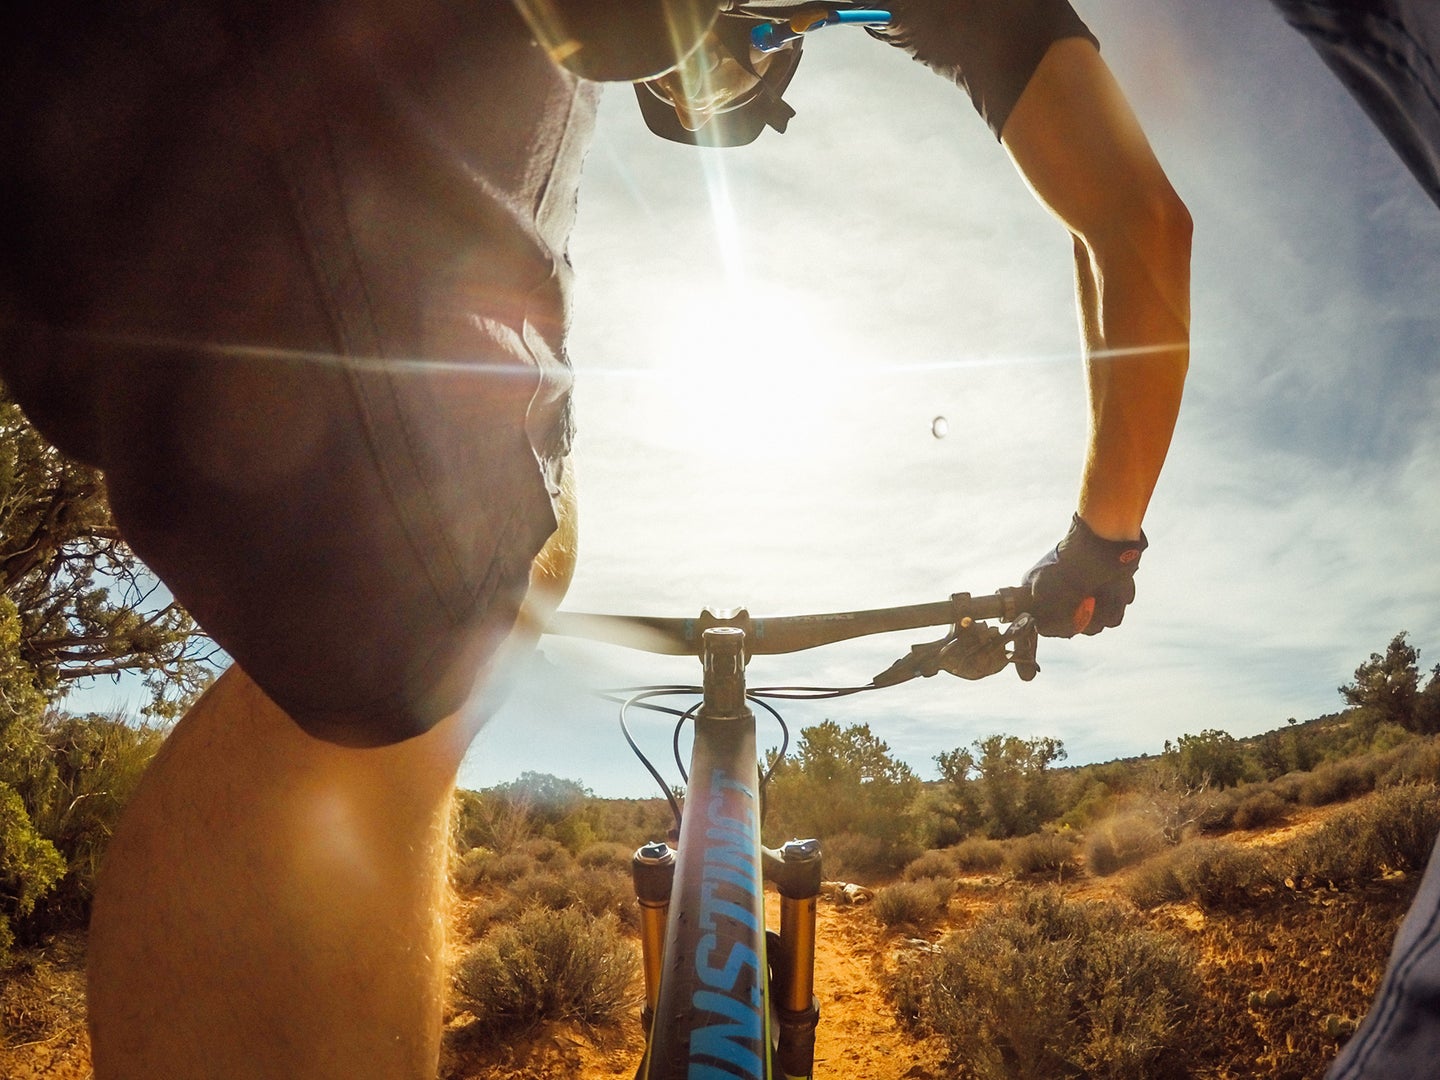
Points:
(764, 337)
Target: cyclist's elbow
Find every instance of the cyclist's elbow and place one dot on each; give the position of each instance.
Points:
(1152, 225)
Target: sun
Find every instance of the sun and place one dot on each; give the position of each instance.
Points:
(744, 369)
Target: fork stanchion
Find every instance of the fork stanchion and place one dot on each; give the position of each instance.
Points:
(798, 878)
(653, 870)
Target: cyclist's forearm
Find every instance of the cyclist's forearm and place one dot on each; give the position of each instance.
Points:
(1079, 146)
(1135, 322)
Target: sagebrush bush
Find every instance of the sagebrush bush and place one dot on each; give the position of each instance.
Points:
(1121, 841)
(1414, 763)
(548, 965)
(858, 857)
(933, 864)
(913, 903)
(546, 851)
(594, 891)
(978, 853)
(607, 855)
(1040, 853)
(471, 869)
(1393, 830)
(1216, 874)
(1262, 808)
(1336, 781)
(1045, 988)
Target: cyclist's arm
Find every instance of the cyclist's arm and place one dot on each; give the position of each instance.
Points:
(1078, 145)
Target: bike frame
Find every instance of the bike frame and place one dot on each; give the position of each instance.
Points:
(725, 1000)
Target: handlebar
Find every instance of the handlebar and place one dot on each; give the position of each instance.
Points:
(785, 633)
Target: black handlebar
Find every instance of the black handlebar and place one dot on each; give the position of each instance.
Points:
(785, 633)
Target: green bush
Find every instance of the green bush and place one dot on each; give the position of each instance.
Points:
(913, 903)
(1336, 781)
(933, 864)
(1046, 989)
(1040, 853)
(858, 857)
(1262, 808)
(1121, 841)
(1414, 763)
(30, 867)
(1216, 874)
(548, 965)
(978, 853)
(607, 855)
(593, 890)
(1394, 830)
(471, 869)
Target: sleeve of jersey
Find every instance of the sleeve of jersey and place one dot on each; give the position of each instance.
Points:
(989, 48)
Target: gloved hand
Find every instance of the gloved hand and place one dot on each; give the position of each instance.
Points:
(1083, 585)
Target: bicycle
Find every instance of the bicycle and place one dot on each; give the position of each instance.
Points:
(724, 998)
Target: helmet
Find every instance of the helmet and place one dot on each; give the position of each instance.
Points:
(619, 40)
(739, 121)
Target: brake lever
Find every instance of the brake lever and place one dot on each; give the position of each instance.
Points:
(972, 650)
(1024, 636)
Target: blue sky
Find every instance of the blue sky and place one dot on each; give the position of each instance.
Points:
(885, 265)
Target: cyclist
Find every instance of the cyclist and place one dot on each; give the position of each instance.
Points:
(295, 278)
(1384, 51)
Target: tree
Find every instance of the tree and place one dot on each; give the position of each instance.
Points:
(1211, 759)
(78, 604)
(1008, 778)
(845, 781)
(1387, 688)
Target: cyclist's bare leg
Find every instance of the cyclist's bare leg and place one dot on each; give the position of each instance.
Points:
(273, 905)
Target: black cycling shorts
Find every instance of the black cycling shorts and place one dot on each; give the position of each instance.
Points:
(989, 48)
(293, 276)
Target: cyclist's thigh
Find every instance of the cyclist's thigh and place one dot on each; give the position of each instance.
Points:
(1401, 1034)
(292, 279)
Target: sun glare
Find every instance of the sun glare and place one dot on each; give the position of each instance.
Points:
(746, 375)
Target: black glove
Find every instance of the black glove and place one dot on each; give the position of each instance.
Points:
(1084, 583)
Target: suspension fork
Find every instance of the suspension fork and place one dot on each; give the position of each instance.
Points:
(795, 869)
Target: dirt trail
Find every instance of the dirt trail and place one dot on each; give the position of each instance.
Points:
(858, 1034)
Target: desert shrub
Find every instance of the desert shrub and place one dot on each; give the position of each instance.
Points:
(29, 866)
(599, 891)
(1336, 781)
(592, 890)
(1287, 788)
(859, 857)
(546, 851)
(512, 866)
(1121, 841)
(607, 855)
(933, 864)
(1216, 874)
(1262, 808)
(1394, 830)
(1040, 853)
(1415, 763)
(1213, 811)
(978, 853)
(913, 903)
(471, 869)
(1045, 989)
(548, 965)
